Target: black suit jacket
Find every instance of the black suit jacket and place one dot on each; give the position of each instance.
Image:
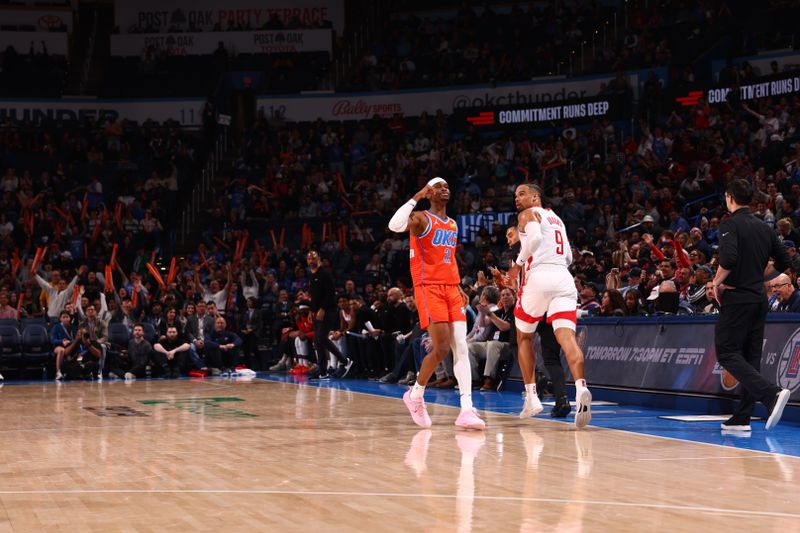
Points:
(254, 321)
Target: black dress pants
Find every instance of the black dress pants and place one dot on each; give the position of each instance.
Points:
(551, 355)
(739, 337)
(323, 344)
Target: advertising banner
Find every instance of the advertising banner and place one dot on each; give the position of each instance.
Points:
(57, 43)
(412, 103)
(678, 355)
(531, 116)
(243, 42)
(187, 112)
(470, 225)
(776, 86)
(43, 19)
(205, 15)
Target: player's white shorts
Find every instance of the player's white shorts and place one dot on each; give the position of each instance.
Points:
(548, 289)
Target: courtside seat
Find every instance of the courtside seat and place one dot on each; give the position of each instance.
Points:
(36, 348)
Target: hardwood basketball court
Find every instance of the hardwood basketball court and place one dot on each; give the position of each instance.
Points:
(214, 455)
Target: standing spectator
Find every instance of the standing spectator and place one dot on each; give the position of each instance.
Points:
(59, 296)
(124, 314)
(215, 293)
(250, 331)
(326, 318)
(634, 280)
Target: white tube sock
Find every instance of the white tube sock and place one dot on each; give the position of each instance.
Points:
(461, 365)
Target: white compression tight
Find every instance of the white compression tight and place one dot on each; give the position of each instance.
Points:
(461, 365)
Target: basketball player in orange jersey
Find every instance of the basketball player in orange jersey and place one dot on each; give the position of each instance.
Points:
(548, 288)
(440, 301)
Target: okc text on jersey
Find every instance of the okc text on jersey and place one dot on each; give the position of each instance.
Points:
(443, 237)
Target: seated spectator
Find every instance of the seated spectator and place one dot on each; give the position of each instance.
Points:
(633, 303)
(97, 329)
(132, 363)
(712, 308)
(788, 296)
(222, 348)
(81, 359)
(171, 320)
(666, 300)
(171, 353)
(612, 304)
(497, 322)
(588, 303)
(62, 336)
(6, 311)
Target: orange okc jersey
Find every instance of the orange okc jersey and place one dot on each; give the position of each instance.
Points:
(433, 254)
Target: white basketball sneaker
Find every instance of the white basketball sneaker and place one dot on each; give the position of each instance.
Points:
(583, 407)
(531, 407)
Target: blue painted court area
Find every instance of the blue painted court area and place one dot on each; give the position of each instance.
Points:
(784, 439)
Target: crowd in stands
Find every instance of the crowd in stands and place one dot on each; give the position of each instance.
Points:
(273, 20)
(524, 41)
(36, 73)
(642, 212)
(70, 194)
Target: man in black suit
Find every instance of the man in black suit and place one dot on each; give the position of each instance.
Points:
(198, 327)
(251, 324)
(745, 245)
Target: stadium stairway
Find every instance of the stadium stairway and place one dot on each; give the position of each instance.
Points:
(193, 236)
(90, 49)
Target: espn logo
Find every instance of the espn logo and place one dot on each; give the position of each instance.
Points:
(691, 100)
(485, 118)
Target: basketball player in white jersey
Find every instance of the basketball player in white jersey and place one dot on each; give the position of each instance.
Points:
(548, 288)
(551, 351)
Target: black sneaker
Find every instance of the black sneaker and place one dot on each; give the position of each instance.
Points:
(388, 378)
(541, 386)
(561, 409)
(736, 423)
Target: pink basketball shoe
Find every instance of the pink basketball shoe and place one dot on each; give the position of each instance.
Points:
(419, 413)
(469, 419)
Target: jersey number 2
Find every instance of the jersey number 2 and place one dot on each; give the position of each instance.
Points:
(447, 255)
(559, 243)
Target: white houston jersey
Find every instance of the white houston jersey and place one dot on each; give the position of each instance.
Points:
(554, 248)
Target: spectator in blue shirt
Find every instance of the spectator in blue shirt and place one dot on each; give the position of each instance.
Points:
(62, 337)
(677, 223)
(788, 295)
(222, 348)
